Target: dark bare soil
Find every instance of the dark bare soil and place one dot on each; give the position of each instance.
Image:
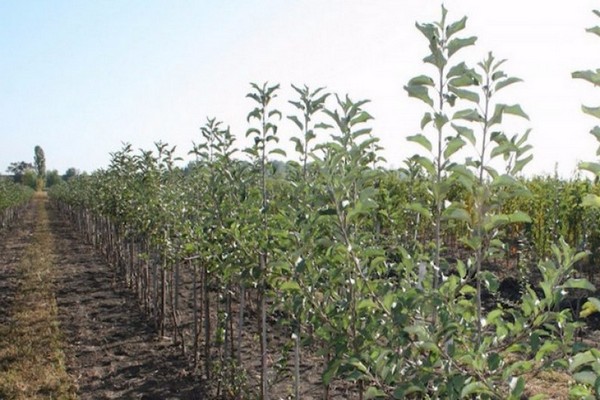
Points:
(111, 353)
(12, 246)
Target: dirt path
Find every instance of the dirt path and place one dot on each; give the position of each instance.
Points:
(32, 360)
(110, 351)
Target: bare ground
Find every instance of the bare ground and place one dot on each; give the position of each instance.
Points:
(111, 353)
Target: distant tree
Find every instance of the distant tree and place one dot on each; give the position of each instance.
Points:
(53, 178)
(40, 161)
(30, 179)
(70, 173)
(18, 169)
(40, 166)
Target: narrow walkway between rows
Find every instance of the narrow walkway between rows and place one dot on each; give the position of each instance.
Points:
(68, 330)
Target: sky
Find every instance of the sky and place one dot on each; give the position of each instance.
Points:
(80, 78)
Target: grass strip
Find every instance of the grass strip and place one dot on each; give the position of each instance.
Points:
(32, 363)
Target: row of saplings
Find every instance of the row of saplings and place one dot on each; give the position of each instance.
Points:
(268, 274)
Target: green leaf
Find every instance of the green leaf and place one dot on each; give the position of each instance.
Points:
(502, 109)
(420, 139)
(547, 348)
(463, 80)
(465, 132)
(590, 76)
(515, 110)
(491, 281)
(323, 125)
(469, 115)
(331, 371)
(518, 388)
(427, 118)
(465, 94)
(456, 44)
(440, 120)
(418, 207)
(593, 111)
(374, 393)
(295, 120)
(590, 307)
(426, 163)
(367, 304)
(299, 145)
(457, 213)
(420, 92)
(474, 388)
(586, 377)
(504, 180)
(288, 286)
(593, 167)
(519, 217)
(456, 27)
(461, 269)
(595, 30)
(428, 30)
(494, 315)
(495, 221)
(509, 81)
(436, 57)
(362, 117)
(278, 151)
(591, 200)
(458, 70)
(455, 144)
(596, 132)
(578, 283)
(520, 164)
(581, 359)
(421, 80)
(253, 131)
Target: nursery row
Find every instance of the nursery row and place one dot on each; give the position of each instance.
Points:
(379, 283)
(13, 198)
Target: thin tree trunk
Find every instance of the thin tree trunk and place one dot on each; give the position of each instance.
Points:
(263, 332)
(207, 360)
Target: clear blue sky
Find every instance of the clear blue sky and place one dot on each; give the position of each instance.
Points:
(80, 77)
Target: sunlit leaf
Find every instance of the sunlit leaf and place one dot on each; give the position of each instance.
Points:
(591, 306)
(420, 139)
(440, 120)
(427, 118)
(465, 94)
(578, 283)
(420, 92)
(456, 27)
(593, 167)
(595, 30)
(296, 121)
(581, 359)
(465, 132)
(421, 80)
(591, 200)
(590, 76)
(471, 115)
(593, 111)
(474, 388)
(456, 44)
(453, 146)
(509, 81)
(515, 110)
